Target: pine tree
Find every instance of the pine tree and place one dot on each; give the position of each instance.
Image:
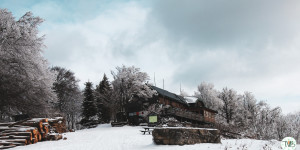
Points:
(89, 108)
(103, 97)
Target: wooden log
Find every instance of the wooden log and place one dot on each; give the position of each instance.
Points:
(42, 126)
(5, 143)
(46, 127)
(20, 137)
(6, 123)
(9, 130)
(15, 137)
(31, 131)
(16, 141)
(34, 136)
(39, 136)
(17, 123)
(16, 144)
(59, 124)
(24, 141)
(55, 137)
(45, 120)
(34, 140)
(16, 129)
(19, 144)
(7, 147)
(5, 138)
(17, 134)
(25, 132)
(38, 125)
(41, 131)
(44, 136)
(37, 122)
(4, 128)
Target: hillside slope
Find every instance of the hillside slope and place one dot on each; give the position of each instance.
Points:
(105, 137)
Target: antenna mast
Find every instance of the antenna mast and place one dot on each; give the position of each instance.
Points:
(180, 87)
(154, 80)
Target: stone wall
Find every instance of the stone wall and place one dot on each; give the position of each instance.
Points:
(182, 136)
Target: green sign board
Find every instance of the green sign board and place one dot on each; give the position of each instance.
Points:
(152, 119)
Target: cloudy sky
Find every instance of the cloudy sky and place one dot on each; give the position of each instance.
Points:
(249, 45)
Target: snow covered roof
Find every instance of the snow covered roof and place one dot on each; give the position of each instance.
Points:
(170, 95)
(190, 99)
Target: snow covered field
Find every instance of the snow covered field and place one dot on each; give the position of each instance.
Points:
(105, 137)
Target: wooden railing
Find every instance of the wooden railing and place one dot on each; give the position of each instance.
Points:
(184, 114)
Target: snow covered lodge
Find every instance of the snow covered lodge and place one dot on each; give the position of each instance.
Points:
(165, 103)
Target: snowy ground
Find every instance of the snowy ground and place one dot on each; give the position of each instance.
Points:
(105, 137)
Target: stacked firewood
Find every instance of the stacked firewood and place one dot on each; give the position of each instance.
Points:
(58, 124)
(29, 131)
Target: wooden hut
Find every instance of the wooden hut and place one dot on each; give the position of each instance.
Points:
(182, 108)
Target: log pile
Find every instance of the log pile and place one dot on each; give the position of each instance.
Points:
(30, 131)
(58, 124)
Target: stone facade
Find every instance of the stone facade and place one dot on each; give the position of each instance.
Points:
(182, 136)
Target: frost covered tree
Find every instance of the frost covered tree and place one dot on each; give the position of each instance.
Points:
(243, 114)
(103, 94)
(129, 82)
(208, 95)
(68, 93)
(283, 127)
(265, 124)
(183, 93)
(89, 108)
(248, 109)
(25, 79)
(288, 125)
(228, 109)
(269, 123)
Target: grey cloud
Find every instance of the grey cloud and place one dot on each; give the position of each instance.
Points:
(249, 39)
(63, 49)
(235, 43)
(215, 24)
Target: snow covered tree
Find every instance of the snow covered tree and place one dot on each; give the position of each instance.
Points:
(265, 124)
(242, 114)
(129, 82)
(103, 94)
(209, 95)
(25, 79)
(269, 123)
(283, 127)
(68, 94)
(288, 125)
(89, 109)
(183, 93)
(248, 108)
(229, 108)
